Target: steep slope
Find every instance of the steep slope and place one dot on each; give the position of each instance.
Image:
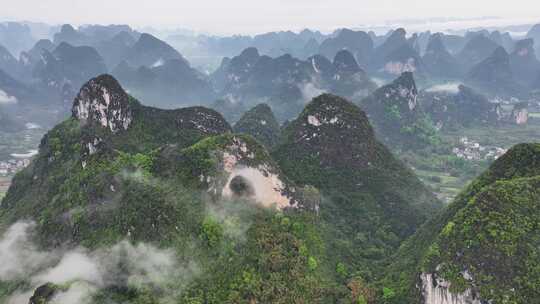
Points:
(477, 49)
(484, 247)
(171, 84)
(150, 51)
(466, 107)
(31, 57)
(260, 123)
(394, 41)
(8, 62)
(357, 42)
(371, 200)
(439, 62)
(524, 63)
(494, 76)
(161, 204)
(115, 49)
(503, 39)
(16, 36)
(534, 33)
(101, 110)
(396, 115)
(345, 78)
(396, 55)
(13, 91)
(286, 83)
(68, 34)
(69, 66)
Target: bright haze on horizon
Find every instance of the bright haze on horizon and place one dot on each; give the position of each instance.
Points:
(255, 16)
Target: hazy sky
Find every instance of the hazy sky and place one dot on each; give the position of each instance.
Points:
(249, 16)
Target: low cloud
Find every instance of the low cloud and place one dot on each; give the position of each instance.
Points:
(84, 271)
(309, 91)
(445, 87)
(23, 256)
(6, 99)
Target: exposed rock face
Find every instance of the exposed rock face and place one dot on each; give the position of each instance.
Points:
(395, 114)
(490, 260)
(44, 294)
(494, 75)
(520, 113)
(260, 123)
(320, 122)
(201, 119)
(436, 291)
(404, 59)
(439, 62)
(102, 101)
(257, 181)
(396, 55)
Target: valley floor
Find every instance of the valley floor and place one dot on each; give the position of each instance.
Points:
(467, 152)
(16, 150)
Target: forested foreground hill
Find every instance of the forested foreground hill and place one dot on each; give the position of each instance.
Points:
(131, 204)
(484, 248)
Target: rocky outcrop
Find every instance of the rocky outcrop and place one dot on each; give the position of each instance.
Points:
(44, 294)
(435, 290)
(259, 181)
(396, 55)
(103, 102)
(520, 113)
(398, 119)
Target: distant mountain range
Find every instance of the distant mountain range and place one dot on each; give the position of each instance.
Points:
(282, 69)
